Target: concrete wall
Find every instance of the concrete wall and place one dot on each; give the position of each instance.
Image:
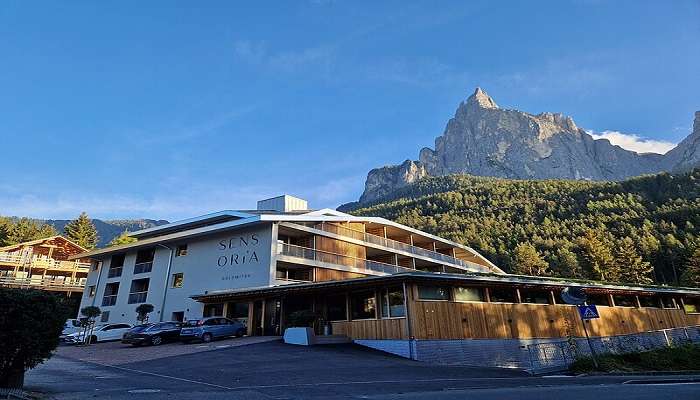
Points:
(237, 259)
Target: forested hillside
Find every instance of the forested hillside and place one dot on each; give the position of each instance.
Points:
(642, 230)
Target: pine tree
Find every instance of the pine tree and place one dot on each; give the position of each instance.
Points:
(528, 261)
(123, 238)
(26, 229)
(633, 268)
(691, 275)
(566, 264)
(82, 231)
(597, 257)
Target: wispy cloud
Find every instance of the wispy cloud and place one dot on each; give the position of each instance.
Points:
(634, 142)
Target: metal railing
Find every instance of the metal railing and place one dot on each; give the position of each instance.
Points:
(114, 272)
(287, 281)
(43, 283)
(141, 268)
(396, 245)
(339, 259)
(137, 297)
(42, 262)
(109, 300)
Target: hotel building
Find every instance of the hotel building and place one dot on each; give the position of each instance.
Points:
(377, 282)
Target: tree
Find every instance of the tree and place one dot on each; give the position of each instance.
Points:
(691, 275)
(123, 238)
(90, 313)
(597, 257)
(633, 269)
(566, 264)
(26, 229)
(82, 231)
(142, 311)
(528, 261)
(32, 321)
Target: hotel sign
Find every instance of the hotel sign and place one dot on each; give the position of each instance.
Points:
(239, 250)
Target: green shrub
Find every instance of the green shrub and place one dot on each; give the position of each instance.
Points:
(681, 358)
(302, 319)
(31, 321)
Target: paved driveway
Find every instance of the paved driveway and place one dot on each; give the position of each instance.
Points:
(273, 370)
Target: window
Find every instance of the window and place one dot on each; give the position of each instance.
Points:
(213, 310)
(178, 279)
(110, 297)
(363, 305)
(237, 311)
(139, 291)
(691, 304)
(95, 265)
(598, 299)
(469, 294)
(178, 316)
(104, 317)
(503, 295)
(181, 250)
(622, 300)
(393, 302)
(337, 308)
(116, 265)
(91, 291)
(669, 302)
(534, 296)
(144, 261)
(433, 293)
(649, 301)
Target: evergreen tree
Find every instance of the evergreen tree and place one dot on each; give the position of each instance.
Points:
(566, 264)
(691, 274)
(528, 261)
(82, 231)
(26, 229)
(123, 238)
(632, 267)
(597, 257)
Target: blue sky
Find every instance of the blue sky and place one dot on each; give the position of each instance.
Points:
(172, 109)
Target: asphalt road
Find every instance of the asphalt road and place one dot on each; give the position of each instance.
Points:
(274, 370)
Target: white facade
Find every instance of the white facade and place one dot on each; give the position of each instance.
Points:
(238, 249)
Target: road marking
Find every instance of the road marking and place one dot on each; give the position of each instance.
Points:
(136, 371)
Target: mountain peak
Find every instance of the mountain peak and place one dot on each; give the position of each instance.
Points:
(481, 99)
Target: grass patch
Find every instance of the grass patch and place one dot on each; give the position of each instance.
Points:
(681, 358)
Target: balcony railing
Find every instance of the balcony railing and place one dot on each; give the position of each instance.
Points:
(396, 245)
(43, 262)
(66, 284)
(109, 300)
(338, 259)
(137, 297)
(287, 281)
(143, 267)
(114, 272)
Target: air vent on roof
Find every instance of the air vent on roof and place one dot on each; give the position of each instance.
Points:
(284, 203)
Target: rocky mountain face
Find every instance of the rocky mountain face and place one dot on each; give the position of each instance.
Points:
(485, 140)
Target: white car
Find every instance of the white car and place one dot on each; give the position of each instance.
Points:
(71, 326)
(101, 333)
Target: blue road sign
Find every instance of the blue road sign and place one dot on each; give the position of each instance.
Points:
(588, 312)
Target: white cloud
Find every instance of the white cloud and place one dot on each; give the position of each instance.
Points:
(634, 142)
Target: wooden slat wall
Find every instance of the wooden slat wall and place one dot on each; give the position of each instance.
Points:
(450, 320)
(372, 329)
(323, 274)
(340, 247)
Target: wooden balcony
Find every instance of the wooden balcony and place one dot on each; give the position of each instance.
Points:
(37, 282)
(15, 259)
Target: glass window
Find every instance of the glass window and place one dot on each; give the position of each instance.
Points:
(110, 296)
(181, 250)
(91, 291)
(534, 296)
(104, 317)
(213, 310)
(469, 294)
(433, 293)
(144, 261)
(178, 279)
(623, 300)
(393, 302)
(691, 304)
(598, 299)
(503, 295)
(116, 265)
(337, 308)
(139, 291)
(650, 301)
(363, 305)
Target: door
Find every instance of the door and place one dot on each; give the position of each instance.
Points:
(272, 317)
(257, 318)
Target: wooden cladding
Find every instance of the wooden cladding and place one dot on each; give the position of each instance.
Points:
(323, 274)
(372, 329)
(340, 247)
(450, 320)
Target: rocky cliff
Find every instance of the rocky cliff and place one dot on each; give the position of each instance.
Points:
(485, 140)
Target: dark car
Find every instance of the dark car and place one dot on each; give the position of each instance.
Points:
(153, 334)
(207, 329)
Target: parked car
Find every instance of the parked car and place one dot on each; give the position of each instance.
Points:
(100, 333)
(71, 326)
(153, 334)
(208, 329)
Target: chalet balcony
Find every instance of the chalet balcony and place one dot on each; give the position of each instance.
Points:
(42, 262)
(344, 262)
(45, 283)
